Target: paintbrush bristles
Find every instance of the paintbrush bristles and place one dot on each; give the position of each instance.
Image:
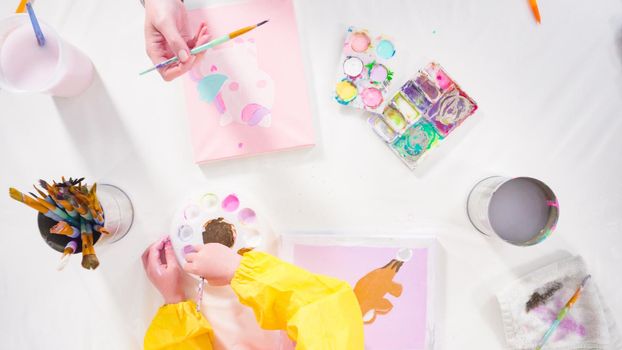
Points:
(239, 32)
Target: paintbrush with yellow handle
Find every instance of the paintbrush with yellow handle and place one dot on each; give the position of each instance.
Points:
(31, 202)
(53, 208)
(89, 259)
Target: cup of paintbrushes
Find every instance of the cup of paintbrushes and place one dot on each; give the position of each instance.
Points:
(117, 214)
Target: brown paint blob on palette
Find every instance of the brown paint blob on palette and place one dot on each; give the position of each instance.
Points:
(359, 42)
(219, 231)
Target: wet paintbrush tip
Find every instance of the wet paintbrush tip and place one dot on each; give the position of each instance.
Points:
(262, 23)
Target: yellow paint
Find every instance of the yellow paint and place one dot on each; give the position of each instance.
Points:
(346, 91)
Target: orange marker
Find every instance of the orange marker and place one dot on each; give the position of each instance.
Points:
(535, 10)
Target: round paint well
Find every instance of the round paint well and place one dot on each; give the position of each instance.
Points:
(192, 211)
(252, 240)
(346, 91)
(353, 66)
(247, 216)
(378, 73)
(372, 97)
(231, 203)
(185, 233)
(385, 49)
(359, 42)
(209, 200)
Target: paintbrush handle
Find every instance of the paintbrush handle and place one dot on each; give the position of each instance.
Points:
(209, 45)
(194, 51)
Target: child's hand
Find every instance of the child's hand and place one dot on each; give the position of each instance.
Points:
(214, 262)
(167, 35)
(163, 271)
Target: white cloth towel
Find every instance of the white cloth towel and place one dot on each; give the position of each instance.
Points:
(530, 304)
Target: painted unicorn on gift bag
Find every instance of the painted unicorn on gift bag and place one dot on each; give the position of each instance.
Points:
(229, 77)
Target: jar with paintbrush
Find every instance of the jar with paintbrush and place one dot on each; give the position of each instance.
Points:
(75, 218)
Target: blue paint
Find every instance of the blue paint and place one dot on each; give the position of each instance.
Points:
(385, 49)
(210, 85)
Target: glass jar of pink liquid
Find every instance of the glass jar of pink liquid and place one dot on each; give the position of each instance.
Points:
(57, 68)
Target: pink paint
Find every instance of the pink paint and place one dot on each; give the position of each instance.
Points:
(359, 42)
(378, 73)
(240, 145)
(220, 104)
(231, 203)
(234, 86)
(443, 80)
(552, 204)
(262, 84)
(253, 114)
(247, 216)
(213, 68)
(372, 97)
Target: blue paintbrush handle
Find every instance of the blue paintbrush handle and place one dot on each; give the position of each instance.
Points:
(35, 25)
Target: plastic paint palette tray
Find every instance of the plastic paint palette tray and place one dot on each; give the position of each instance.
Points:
(425, 110)
(213, 217)
(364, 72)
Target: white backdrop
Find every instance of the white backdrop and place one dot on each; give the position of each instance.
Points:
(550, 100)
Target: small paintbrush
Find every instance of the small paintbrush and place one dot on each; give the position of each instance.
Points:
(201, 48)
(562, 314)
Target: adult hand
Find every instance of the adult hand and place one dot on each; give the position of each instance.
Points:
(214, 262)
(163, 271)
(167, 35)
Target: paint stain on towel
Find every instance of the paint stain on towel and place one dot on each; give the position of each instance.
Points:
(543, 294)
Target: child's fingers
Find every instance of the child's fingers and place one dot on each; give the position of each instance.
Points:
(190, 257)
(154, 254)
(169, 255)
(190, 268)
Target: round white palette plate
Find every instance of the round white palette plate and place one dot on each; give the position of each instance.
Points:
(188, 224)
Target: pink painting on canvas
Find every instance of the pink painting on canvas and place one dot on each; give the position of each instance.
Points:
(250, 91)
(398, 324)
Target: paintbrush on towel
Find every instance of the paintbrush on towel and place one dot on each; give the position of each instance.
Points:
(563, 313)
(532, 304)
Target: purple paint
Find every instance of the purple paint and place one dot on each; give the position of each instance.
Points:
(378, 73)
(416, 96)
(566, 327)
(231, 203)
(189, 249)
(247, 216)
(253, 113)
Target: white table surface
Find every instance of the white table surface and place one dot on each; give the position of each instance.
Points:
(550, 100)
